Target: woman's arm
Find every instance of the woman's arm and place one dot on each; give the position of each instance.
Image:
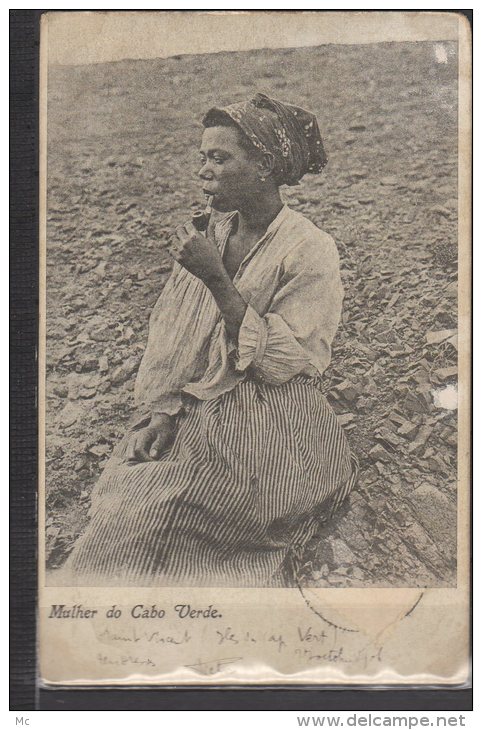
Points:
(297, 331)
(230, 302)
(177, 345)
(299, 327)
(201, 256)
(149, 442)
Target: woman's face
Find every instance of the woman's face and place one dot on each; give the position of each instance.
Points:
(228, 172)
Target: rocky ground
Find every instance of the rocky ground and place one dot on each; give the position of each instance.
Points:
(122, 173)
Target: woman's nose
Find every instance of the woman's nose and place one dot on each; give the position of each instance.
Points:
(205, 173)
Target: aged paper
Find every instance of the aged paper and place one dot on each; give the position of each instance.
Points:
(381, 596)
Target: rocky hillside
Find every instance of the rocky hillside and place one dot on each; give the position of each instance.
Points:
(122, 173)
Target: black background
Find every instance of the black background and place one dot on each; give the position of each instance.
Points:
(24, 692)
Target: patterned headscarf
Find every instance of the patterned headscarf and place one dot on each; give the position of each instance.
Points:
(289, 133)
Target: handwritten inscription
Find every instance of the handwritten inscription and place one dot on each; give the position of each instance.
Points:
(310, 636)
(304, 642)
(151, 637)
(228, 636)
(214, 666)
(126, 660)
(155, 638)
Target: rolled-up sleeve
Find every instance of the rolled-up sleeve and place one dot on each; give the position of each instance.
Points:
(180, 328)
(169, 403)
(267, 345)
(295, 335)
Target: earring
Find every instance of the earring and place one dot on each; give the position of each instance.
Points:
(263, 179)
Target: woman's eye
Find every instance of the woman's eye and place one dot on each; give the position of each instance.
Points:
(218, 160)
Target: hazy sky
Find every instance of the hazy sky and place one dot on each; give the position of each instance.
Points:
(97, 37)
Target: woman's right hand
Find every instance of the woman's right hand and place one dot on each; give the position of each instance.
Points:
(149, 442)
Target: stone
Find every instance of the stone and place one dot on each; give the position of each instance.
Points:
(422, 437)
(70, 414)
(417, 402)
(370, 354)
(345, 418)
(100, 269)
(387, 437)
(446, 373)
(438, 336)
(337, 581)
(396, 418)
(123, 372)
(452, 204)
(100, 450)
(86, 363)
(393, 300)
(436, 513)
(87, 392)
(379, 453)
(128, 335)
(389, 180)
(81, 463)
(101, 334)
(407, 429)
(395, 352)
(322, 573)
(436, 464)
(103, 364)
(60, 390)
(344, 570)
(440, 210)
(364, 403)
(52, 532)
(348, 390)
(161, 269)
(449, 435)
(82, 385)
(340, 552)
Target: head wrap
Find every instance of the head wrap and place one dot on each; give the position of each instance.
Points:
(287, 132)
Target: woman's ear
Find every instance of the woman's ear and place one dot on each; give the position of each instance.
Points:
(266, 166)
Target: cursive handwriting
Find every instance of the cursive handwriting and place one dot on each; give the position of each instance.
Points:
(208, 668)
(310, 636)
(126, 660)
(309, 643)
(229, 636)
(152, 637)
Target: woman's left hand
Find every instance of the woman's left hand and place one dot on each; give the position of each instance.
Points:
(197, 253)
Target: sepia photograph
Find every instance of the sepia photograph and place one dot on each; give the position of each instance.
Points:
(252, 311)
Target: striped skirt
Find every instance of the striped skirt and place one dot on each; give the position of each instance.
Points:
(241, 490)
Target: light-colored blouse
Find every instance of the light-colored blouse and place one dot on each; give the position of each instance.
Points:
(291, 283)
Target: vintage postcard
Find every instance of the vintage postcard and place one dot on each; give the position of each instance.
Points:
(254, 384)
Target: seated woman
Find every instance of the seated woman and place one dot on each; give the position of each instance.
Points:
(240, 456)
